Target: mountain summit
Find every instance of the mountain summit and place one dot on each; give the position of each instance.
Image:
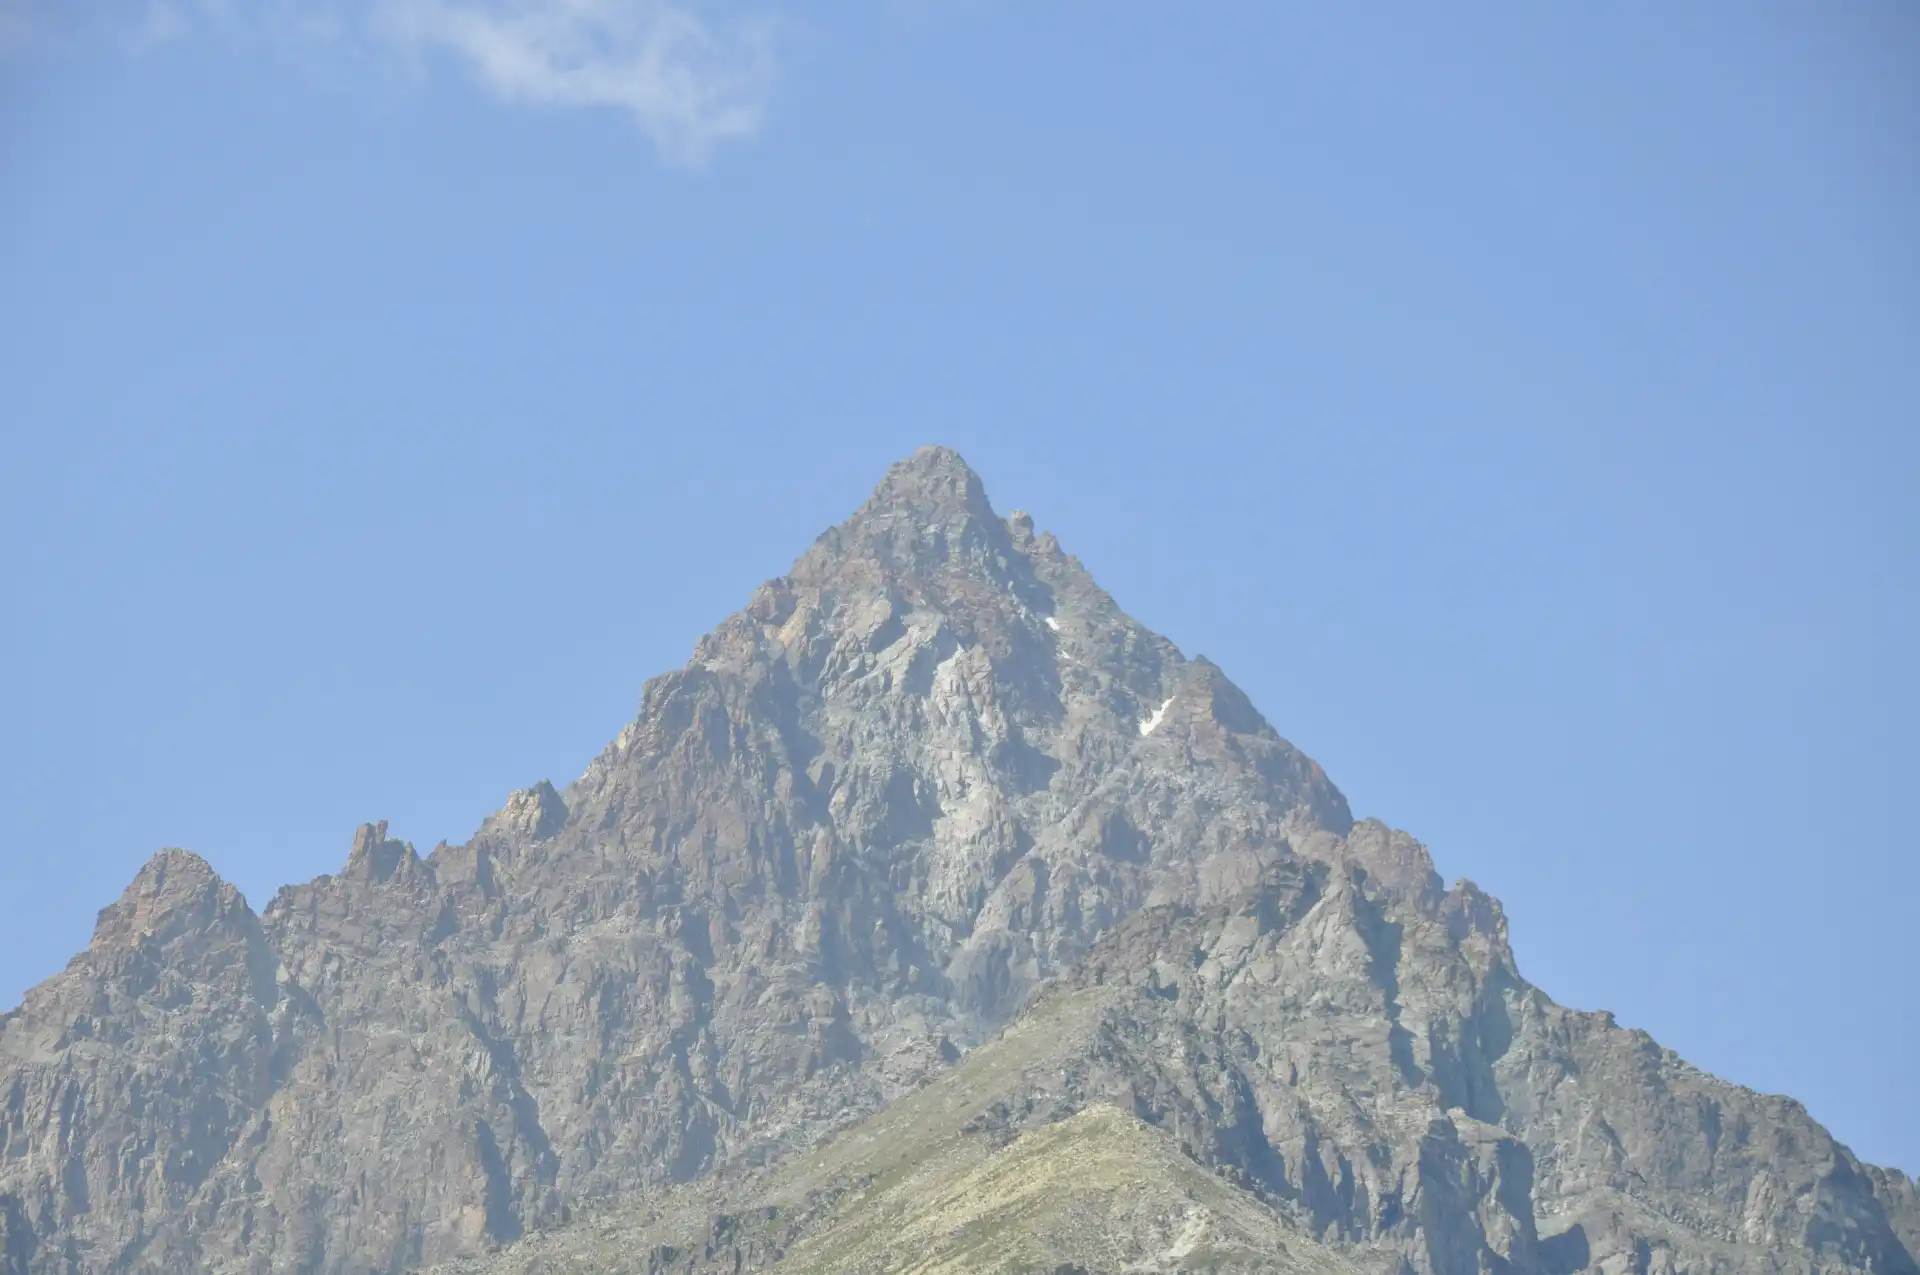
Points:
(933, 897)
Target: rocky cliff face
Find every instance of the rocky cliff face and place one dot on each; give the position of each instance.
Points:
(930, 771)
(1351, 1039)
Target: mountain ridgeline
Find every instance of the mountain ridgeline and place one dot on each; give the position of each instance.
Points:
(936, 916)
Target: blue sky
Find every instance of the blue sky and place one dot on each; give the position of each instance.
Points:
(1519, 401)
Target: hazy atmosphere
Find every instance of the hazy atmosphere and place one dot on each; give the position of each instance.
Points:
(1519, 403)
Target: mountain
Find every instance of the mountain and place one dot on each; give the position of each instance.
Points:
(935, 915)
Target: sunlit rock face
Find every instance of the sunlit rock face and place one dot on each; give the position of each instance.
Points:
(930, 774)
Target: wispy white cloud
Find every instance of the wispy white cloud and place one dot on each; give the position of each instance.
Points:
(692, 75)
(689, 81)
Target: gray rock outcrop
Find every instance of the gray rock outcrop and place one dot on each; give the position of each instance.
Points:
(929, 774)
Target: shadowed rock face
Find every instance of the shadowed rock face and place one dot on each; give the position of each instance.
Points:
(931, 770)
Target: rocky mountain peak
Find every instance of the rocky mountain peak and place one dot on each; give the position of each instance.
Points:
(933, 481)
(377, 857)
(1394, 859)
(930, 808)
(926, 523)
(175, 893)
(532, 814)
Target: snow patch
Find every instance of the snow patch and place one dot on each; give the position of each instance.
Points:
(1052, 623)
(1159, 715)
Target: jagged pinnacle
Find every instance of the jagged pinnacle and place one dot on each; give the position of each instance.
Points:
(933, 479)
(176, 890)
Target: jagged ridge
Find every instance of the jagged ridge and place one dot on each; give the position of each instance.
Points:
(926, 772)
